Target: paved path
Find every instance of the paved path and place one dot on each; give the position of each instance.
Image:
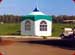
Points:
(38, 37)
(17, 48)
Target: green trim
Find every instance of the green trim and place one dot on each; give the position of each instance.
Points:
(27, 17)
(37, 17)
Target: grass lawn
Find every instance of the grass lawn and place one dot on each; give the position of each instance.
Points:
(58, 28)
(8, 29)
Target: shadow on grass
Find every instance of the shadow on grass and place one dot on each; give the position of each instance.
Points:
(65, 44)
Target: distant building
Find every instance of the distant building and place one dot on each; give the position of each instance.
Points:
(69, 21)
(36, 24)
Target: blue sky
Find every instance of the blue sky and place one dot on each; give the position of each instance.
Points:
(50, 7)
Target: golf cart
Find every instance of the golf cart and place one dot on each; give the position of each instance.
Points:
(68, 33)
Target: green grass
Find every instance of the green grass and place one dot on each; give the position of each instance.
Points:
(58, 28)
(7, 29)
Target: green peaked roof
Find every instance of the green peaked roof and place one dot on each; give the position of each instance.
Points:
(37, 17)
